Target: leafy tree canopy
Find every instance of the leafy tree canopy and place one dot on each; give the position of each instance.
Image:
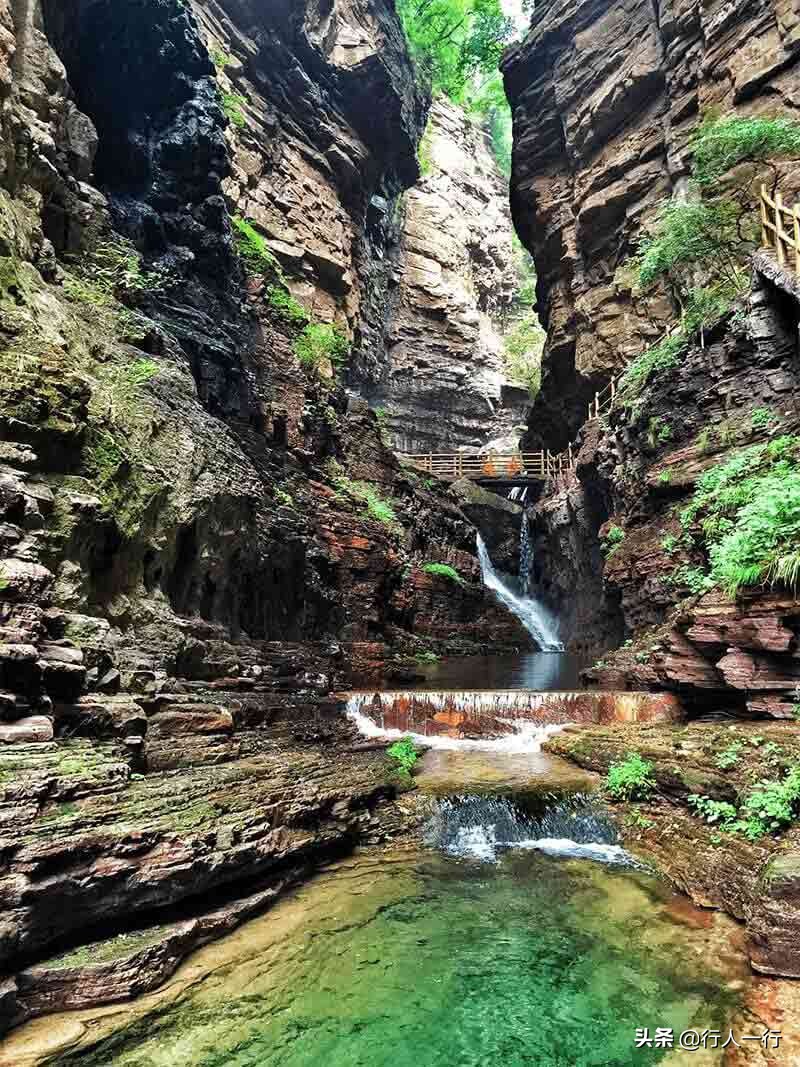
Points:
(453, 41)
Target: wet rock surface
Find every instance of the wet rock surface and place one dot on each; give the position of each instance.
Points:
(755, 881)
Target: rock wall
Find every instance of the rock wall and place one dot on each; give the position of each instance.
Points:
(637, 470)
(199, 537)
(605, 95)
(441, 380)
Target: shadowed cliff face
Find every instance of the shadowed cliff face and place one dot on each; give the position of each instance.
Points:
(605, 94)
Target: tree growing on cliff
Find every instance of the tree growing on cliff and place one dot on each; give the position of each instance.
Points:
(452, 41)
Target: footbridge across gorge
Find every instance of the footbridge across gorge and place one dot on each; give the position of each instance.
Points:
(507, 469)
(778, 259)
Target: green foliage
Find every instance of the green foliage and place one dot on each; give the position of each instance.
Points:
(764, 543)
(722, 143)
(124, 387)
(631, 778)
(424, 157)
(762, 419)
(233, 105)
(455, 41)
(221, 59)
(773, 805)
(688, 234)
(525, 270)
(523, 353)
(376, 507)
(612, 540)
(320, 342)
(713, 811)
(658, 432)
(665, 477)
(286, 500)
(670, 544)
(639, 821)
(427, 657)
(749, 513)
(289, 309)
(486, 101)
(404, 753)
(253, 250)
(660, 357)
(729, 756)
(112, 271)
(703, 307)
(443, 570)
(692, 578)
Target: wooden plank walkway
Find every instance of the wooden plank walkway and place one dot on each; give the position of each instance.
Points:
(780, 234)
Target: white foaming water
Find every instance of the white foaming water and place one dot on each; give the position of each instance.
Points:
(536, 619)
(484, 827)
(562, 846)
(522, 737)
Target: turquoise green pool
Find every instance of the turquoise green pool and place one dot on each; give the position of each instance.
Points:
(416, 959)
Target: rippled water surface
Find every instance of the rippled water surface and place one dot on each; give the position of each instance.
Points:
(420, 959)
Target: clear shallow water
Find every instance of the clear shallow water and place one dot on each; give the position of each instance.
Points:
(425, 960)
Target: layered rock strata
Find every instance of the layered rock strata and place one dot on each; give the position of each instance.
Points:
(636, 471)
(443, 383)
(605, 95)
(199, 535)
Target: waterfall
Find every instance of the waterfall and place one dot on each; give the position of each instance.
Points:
(535, 618)
(525, 555)
(482, 827)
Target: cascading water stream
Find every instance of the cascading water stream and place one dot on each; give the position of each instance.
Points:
(533, 616)
(525, 556)
(482, 827)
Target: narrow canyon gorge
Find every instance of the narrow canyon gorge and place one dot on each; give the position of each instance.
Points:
(399, 532)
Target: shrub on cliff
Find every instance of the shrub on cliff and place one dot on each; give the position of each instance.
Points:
(443, 570)
(720, 144)
(688, 234)
(320, 342)
(748, 512)
(253, 251)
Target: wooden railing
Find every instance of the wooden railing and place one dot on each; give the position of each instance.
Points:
(780, 232)
(780, 229)
(514, 466)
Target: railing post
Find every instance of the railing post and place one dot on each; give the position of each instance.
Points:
(569, 453)
(765, 241)
(796, 221)
(460, 464)
(613, 389)
(597, 405)
(779, 229)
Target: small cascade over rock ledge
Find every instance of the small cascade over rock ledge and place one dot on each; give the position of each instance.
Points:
(517, 719)
(483, 827)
